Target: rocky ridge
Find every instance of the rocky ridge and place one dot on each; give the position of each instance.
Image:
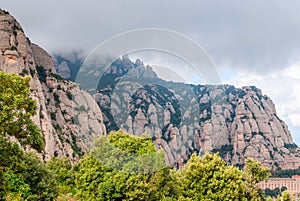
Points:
(68, 117)
(183, 119)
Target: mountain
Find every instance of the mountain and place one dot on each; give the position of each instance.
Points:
(68, 117)
(181, 118)
(67, 65)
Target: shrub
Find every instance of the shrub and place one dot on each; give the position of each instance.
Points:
(53, 116)
(41, 73)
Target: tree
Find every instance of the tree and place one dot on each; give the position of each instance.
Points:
(10, 156)
(22, 174)
(209, 178)
(64, 175)
(285, 196)
(203, 178)
(254, 172)
(89, 174)
(119, 168)
(124, 152)
(272, 192)
(17, 108)
(41, 181)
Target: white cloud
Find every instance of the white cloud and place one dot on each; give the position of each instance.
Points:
(242, 34)
(293, 71)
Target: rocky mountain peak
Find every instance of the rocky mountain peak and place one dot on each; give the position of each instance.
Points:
(138, 62)
(184, 119)
(13, 44)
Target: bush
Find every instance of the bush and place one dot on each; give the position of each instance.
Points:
(56, 99)
(24, 175)
(41, 73)
(53, 116)
(69, 95)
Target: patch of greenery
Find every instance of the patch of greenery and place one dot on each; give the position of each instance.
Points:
(5, 12)
(56, 99)
(12, 48)
(41, 73)
(22, 175)
(290, 146)
(32, 72)
(53, 116)
(25, 72)
(285, 173)
(224, 150)
(58, 77)
(69, 95)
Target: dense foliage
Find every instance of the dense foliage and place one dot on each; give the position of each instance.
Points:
(203, 178)
(285, 173)
(124, 152)
(22, 174)
(95, 178)
(17, 108)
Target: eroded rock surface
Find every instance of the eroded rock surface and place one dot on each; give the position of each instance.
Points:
(68, 117)
(183, 119)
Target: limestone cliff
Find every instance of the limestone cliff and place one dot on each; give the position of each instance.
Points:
(68, 117)
(183, 119)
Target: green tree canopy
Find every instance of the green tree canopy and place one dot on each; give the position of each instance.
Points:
(210, 178)
(22, 175)
(96, 178)
(206, 178)
(124, 152)
(17, 108)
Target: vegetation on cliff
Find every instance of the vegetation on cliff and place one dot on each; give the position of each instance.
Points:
(120, 167)
(22, 174)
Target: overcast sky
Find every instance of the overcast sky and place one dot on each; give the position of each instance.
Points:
(251, 42)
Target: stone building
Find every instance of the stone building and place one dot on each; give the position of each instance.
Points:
(292, 184)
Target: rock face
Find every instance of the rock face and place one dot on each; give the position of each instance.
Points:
(63, 70)
(68, 64)
(183, 119)
(68, 117)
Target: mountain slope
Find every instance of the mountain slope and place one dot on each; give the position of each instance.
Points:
(67, 116)
(183, 119)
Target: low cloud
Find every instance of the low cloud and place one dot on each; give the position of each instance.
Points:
(256, 35)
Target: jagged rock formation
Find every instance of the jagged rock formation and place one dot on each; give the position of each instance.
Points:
(183, 119)
(68, 117)
(68, 64)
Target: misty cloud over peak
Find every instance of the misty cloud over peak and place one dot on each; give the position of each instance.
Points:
(257, 35)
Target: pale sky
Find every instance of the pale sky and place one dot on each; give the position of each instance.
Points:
(251, 42)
